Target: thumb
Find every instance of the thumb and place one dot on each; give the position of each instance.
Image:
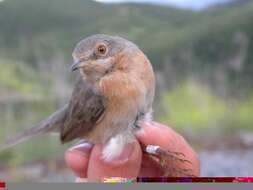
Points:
(126, 165)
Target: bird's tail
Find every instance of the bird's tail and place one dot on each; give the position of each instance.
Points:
(50, 124)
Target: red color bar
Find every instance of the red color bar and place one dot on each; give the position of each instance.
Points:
(2, 185)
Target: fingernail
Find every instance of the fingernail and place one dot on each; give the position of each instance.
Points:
(84, 147)
(123, 156)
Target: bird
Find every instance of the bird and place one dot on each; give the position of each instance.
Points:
(113, 95)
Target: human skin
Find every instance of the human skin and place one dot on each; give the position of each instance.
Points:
(86, 162)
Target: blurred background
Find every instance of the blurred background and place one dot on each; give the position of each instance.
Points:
(202, 53)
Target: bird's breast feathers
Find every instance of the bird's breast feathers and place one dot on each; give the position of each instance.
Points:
(128, 94)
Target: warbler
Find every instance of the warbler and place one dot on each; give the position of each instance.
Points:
(113, 95)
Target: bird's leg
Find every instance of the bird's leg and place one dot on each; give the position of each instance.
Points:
(165, 158)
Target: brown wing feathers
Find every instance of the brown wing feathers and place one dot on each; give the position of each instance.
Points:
(75, 119)
(86, 107)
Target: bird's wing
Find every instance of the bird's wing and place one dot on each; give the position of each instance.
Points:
(86, 108)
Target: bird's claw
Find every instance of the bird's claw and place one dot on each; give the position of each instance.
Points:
(165, 156)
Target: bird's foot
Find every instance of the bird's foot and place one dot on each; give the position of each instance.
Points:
(166, 157)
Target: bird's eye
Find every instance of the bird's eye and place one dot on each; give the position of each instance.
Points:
(101, 49)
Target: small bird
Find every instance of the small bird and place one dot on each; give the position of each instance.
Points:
(113, 95)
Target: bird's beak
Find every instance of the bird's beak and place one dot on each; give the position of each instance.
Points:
(75, 66)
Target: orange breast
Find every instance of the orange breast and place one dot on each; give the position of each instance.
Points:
(126, 90)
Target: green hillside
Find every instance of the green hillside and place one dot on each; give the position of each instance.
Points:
(36, 30)
(203, 63)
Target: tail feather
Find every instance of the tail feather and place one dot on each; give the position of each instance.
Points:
(50, 124)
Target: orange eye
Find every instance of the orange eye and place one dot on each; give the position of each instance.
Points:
(102, 49)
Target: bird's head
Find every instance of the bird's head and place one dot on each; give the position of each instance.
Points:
(97, 55)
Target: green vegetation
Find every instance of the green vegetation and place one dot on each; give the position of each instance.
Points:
(19, 77)
(192, 107)
(185, 47)
(196, 110)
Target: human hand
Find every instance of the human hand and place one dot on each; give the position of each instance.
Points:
(86, 162)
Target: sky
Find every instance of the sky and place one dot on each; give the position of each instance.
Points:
(186, 4)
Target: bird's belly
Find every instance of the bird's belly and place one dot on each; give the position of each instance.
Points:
(109, 128)
(106, 130)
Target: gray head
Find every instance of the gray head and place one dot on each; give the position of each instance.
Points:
(95, 55)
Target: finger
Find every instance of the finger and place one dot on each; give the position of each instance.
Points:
(163, 136)
(127, 165)
(158, 134)
(77, 159)
(149, 167)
